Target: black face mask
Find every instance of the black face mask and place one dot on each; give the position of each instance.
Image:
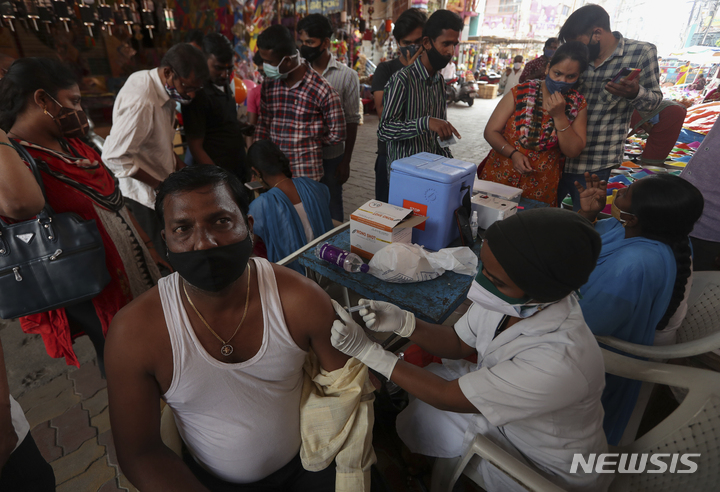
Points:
(437, 61)
(213, 269)
(311, 53)
(593, 51)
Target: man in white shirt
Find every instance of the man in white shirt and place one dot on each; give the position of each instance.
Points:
(513, 77)
(449, 71)
(315, 32)
(139, 149)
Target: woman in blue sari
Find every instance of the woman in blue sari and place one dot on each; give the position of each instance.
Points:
(293, 211)
(642, 271)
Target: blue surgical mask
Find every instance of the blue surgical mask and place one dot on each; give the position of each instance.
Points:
(273, 72)
(174, 94)
(548, 53)
(554, 86)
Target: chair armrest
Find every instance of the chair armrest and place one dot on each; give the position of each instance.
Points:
(676, 351)
(295, 255)
(655, 372)
(518, 471)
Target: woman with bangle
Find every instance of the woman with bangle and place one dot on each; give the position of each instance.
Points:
(536, 125)
(40, 109)
(642, 273)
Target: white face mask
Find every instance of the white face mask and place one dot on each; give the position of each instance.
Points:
(517, 66)
(483, 297)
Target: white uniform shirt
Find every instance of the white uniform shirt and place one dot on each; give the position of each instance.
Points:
(141, 136)
(539, 384)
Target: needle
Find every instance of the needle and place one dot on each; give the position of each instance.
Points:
(356, 308)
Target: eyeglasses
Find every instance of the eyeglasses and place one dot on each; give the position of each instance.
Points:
(185, 87)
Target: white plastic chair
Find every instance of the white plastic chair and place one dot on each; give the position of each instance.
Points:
(694, 427)
(447, 471)
(700, 330)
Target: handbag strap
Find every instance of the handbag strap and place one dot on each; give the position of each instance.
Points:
(25, 155)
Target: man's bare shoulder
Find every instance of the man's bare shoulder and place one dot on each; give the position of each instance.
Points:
(300, 296)
(141, 321)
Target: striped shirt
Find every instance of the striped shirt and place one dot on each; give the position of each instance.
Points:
(301, 120)
(346, 83)
(608, 115)
(410, 99)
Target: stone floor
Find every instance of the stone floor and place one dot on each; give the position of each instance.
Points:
(67, 407)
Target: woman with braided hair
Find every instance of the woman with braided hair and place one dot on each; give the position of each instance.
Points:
(642, 272)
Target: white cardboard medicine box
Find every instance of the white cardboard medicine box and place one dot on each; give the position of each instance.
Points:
(497, 190)
(376, 224)
(491, 208)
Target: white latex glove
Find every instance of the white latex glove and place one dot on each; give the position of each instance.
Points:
(350, 339)
(385, 317)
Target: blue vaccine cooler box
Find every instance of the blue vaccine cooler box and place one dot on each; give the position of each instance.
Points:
(431, 185)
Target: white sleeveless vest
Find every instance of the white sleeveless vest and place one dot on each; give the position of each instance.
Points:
(240, 421)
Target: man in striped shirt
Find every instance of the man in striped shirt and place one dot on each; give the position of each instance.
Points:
(315, 32)
(299, 111)
(610, 105)
(414, 106)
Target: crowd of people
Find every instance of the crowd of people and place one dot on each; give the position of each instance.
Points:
(263, 376)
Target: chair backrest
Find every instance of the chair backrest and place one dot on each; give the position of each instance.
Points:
(694, 427)
(703, 315)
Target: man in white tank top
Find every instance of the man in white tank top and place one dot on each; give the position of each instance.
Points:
(222, 341)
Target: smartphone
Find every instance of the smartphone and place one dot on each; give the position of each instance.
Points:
(448, 142)
(254, 185)
(626, 73)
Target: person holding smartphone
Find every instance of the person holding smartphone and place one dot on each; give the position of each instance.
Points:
(536, 125)
(610, 104)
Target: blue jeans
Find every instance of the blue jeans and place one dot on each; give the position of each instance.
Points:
(382, 185)
(328, 179)
(567, 185)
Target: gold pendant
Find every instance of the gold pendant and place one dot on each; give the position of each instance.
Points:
(226, 350)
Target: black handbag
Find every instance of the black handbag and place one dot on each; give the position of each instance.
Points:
(49, 262)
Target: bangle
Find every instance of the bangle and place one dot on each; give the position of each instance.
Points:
(511, 153)
(9, 145)
(565, 128)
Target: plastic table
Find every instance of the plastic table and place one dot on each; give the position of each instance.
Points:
(432, 301)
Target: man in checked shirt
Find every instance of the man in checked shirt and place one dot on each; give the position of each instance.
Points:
(299, 111)
(610, 105)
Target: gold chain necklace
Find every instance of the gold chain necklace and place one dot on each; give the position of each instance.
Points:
(226, 348)
(281, 181)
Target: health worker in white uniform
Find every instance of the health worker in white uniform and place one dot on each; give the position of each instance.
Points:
(535, 390)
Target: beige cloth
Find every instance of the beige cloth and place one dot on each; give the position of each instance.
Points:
(336, 420)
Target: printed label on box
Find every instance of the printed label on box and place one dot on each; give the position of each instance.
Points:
(418, 209)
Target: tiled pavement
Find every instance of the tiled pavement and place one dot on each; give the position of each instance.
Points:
(67, 407)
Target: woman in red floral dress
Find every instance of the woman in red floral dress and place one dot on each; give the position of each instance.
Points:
(536, 125)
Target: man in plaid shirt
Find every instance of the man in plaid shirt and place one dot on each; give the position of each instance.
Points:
(299, 111)
(610, 105)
